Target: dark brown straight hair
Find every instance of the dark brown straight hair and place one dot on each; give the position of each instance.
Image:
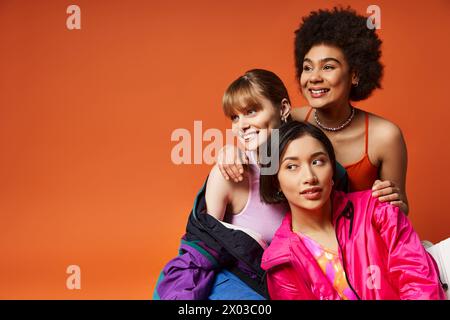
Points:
(269, 185)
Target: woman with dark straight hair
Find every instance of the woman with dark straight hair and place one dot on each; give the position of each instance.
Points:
(333, 245)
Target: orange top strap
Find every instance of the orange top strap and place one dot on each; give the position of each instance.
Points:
(307, 115)
(367, 133)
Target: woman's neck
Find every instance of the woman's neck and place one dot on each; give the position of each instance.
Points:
(333, 116)
(312, 221)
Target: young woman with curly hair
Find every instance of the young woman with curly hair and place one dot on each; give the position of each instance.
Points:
(337, 59)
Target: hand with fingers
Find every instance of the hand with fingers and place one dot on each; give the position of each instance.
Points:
(387, 191)
(230, 160)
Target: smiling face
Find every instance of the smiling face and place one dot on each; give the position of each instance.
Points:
(253, 124)
(305, 174)
(326, 79)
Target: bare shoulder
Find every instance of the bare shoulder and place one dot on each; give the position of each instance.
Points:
(299, 113)
(384, 130)
(217, 185)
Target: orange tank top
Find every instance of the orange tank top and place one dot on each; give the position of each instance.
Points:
(361, 174)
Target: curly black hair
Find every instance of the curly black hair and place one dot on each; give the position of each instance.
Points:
(347, 30)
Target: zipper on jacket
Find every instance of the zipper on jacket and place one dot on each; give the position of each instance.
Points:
(342, 253)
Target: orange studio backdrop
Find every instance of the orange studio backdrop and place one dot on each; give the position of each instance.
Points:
(87, 112)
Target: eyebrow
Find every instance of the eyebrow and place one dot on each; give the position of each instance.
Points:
(315, 154)
(323, 60)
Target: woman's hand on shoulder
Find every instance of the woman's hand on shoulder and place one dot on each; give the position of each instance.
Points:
(392, 156)
(230, 161)
(387, 191)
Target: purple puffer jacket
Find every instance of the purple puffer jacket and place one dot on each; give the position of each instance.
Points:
(189, 276)
(208, 247)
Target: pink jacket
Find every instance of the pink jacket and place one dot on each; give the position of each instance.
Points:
(381, 253)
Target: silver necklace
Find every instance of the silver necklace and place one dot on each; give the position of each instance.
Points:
(342, 126)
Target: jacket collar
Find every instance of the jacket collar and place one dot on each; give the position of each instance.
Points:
(279, 251)
(340, 204)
